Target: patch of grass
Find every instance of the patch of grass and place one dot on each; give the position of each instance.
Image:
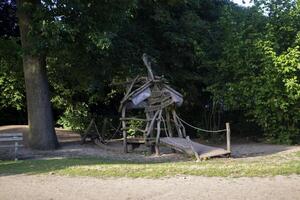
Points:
(95, 167)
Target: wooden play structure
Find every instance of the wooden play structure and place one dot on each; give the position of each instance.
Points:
(158, 101)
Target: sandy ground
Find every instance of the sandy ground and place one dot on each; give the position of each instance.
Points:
(70, 147)
(51, 187)
(24, 187)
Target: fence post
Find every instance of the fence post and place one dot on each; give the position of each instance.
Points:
(16, 150)
(228, 136)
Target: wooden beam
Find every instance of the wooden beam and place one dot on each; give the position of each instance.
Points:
(158, 134)
(168, 119)
(124, 131)
(133, 118)
(133, 128)
(150, 128)
(11, 135)
(148, 65)
(177, 125)
(228, 137)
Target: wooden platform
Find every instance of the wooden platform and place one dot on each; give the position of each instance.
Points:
(188, 147)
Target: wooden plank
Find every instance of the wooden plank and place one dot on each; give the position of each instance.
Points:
(11, 134)
(134, 128)
(204, 151)
(11, 139)
(12, 145)
(134, 119)
(159, 107)
(136, 140)
(159, 100)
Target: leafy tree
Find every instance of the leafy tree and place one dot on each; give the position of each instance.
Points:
(41, 129)
(230, 62)
(259, 67)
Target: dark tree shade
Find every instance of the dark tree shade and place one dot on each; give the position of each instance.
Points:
(8, 19)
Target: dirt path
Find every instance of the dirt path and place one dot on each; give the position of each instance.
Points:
(78, 188)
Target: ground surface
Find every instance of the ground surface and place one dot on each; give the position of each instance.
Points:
(58, 174)
(190, 187)
(70, 147)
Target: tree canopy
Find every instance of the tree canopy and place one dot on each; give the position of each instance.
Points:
(231, 63)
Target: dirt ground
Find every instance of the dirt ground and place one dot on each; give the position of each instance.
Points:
(53, 187)
(24, 187)
(70, 147)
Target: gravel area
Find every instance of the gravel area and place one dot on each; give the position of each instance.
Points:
(24, 187)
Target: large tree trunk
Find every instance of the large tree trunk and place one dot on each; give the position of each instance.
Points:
(41, 129)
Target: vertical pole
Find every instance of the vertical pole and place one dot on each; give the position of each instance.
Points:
(16, 150)
(176, 123)
(103, 129)
(124, 130)
(147, 127)
(228, 136)
(158, 133)
(150, 130)
(168, 119)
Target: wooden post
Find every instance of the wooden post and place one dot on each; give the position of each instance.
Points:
(157, 152)
(124, 130)
(103, 129)
(148, 65)
(84, 136)
(177, 125)
(228, 136)
(168, 119)
(16, 150)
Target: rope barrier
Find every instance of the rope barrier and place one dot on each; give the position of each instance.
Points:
(200, 129)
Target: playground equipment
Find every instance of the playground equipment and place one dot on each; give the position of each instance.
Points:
(158, 100)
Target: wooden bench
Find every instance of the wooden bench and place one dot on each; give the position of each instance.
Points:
(11, 140)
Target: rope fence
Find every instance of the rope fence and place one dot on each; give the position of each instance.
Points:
(200, 129)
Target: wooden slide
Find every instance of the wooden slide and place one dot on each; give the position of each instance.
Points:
(189, 147)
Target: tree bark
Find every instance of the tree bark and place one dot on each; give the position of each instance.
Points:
(41, 129)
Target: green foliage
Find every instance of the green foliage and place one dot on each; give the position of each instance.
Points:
(261, 71)
(75, 118)
(11, 78)
(231, 63)
(277, 102)
(133, 126)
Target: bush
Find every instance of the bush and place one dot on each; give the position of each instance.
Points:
(75, 118)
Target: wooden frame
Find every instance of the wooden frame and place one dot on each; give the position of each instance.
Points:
(159, 105)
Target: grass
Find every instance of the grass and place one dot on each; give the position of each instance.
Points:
(285, 164)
